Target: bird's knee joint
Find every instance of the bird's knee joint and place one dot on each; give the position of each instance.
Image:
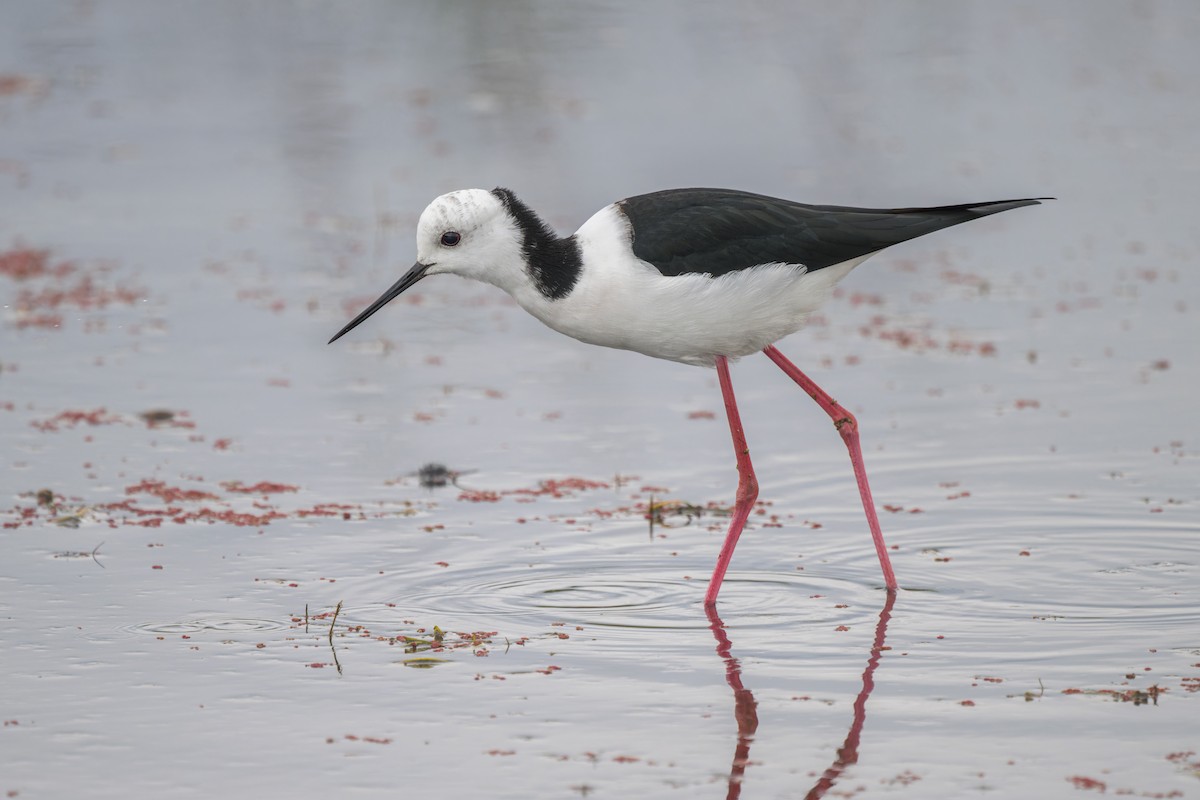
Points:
(747, 490)
(846, 423)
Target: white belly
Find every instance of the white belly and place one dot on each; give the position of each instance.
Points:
(691, 318)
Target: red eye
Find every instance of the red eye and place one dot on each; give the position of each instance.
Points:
(451, 238)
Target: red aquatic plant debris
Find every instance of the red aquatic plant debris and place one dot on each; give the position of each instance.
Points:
(328, 510)
(1023, 553)
(237, 518)
(864, 298)
(84, 294)
(1138, 697)
(840, 628)
(626, 759)
(14, 83)
(1185, 759)
(1083, 782)
(72, 418)
(903, 779)
(701, 415)
(479, 496)
(39, 321)
(1021, 403)
(222, 444)
(129, 507)
(262, 487)
(968, 703)
(22, 263)
(919, 338)
(564, 487)
(169, 494)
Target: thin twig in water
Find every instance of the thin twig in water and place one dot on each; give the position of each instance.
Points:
(333, 622)
(94, 549)
(306, 617)
(650, 516)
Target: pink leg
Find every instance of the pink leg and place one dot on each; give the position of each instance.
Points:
(747, 491)
(847, 426)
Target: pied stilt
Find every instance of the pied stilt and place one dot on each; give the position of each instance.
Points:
(699, 276)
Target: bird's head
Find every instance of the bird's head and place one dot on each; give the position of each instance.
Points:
(469, 233)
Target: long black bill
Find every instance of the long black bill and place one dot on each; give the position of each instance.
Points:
(412, 276)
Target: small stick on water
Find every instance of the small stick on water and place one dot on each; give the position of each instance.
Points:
(650, 516)
(306, 617)
(94, 549)
(333, 622)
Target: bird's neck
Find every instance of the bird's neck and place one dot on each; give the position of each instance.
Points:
(552, 263)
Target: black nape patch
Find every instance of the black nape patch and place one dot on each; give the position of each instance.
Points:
(554, 263)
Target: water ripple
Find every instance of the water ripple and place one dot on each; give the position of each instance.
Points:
(223, 625)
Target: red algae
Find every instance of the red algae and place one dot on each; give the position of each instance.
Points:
(23, 263)
(72, 418)
(84, 294)
(1084, 782)
(552, 487)
(169, 494)
(262, 487)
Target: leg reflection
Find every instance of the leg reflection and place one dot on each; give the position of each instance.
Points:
(745, 707)
(847, 754)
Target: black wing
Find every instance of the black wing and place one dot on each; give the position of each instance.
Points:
(716, 231)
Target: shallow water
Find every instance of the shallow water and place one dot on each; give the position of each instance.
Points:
(196, 198)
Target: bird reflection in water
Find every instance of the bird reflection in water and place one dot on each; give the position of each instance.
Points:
(745, 707)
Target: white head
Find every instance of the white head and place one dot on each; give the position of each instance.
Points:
(469, 233)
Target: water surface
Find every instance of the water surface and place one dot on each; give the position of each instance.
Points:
(195, 198)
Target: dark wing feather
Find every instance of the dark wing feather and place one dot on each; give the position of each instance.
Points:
(715, 231)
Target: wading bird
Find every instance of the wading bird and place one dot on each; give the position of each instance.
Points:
(698, 276)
